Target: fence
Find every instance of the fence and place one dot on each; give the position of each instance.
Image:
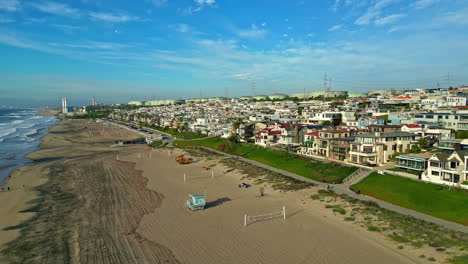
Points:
(198, 176)
(257, 218)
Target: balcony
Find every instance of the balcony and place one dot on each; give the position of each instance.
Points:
(363, 153)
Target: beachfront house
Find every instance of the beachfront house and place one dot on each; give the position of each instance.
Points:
(447, 168)
(375, 149)
(414, 161)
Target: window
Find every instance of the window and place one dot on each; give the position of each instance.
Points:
(446, 117)
(456, 117)
(429, 116)
(435, 173)
(434, 164)
(453, 165)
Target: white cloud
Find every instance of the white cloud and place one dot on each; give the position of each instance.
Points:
(157, 2)
(336, 5)
(393, 29)
(55, 8)
(9, 5)
(200, 5)
(181, 28)
(205, 2)
(373, 12)
(389, 19)
(252, 33)
(335, 27)
(459, 17)
(5, 20)
(420, 4)
(113, 18)
(264, 24)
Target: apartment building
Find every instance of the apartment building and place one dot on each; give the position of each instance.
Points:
(375, 149)
(447, 120)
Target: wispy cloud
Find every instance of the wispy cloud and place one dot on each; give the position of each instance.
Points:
(335, 27)
(459, 17)
(113, 18)
(253, 32)
(4, 19)
(157, 2)
(424, 3)
(373, 12)
(205, 2)
(389, 19)
(336, 5)
(181, 28)
(199, 6)
(55, 8)
(9, 5)
(69, 29)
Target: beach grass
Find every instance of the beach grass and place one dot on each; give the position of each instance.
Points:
(424, 197)
(324, 172)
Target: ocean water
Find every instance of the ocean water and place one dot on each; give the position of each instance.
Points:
(20, 134)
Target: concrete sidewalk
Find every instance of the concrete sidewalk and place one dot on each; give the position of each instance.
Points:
(341, 189)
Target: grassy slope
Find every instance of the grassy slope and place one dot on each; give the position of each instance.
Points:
(427, 198)
(175, 133)
(329, 172)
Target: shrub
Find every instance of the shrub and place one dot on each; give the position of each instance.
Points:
(373, 228)
(431, 259)
(315, 197)
(350, 219)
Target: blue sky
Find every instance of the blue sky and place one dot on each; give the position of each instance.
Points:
(141, 49)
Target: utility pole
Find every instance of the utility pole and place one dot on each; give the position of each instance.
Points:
(324, 86)
(253, 88)
(438, 85)
(329, 87)
(448, 79)
(304, 94)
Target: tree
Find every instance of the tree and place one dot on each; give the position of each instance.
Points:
(299, 110)
(423, 142)
(385, 118)
(236, 124)
(326, 123)
(234, 138)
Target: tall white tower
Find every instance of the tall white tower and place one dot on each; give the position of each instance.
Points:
(94, 101)
(64, 105)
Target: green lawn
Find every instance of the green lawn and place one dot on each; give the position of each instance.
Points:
(424, 197)
(325, 172)
(175, 133)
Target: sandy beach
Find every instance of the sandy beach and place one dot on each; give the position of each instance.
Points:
(86, 202)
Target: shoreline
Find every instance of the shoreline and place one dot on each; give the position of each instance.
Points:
(26, 160)
(22, 184)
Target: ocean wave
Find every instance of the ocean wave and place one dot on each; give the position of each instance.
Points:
(6, 132)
